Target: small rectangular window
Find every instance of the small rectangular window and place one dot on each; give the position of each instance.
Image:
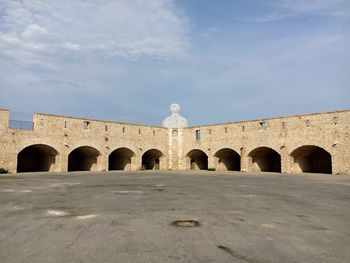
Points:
(139, 131)
(335, 120)
(106, 128)
(307, 123)
(243, 128)
(198, 135)
(123, 129)
(225, 129)
(263, 125)
(175, 133)
(86, 125)
(65, 124)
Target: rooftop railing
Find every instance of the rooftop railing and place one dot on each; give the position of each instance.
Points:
(21, 125)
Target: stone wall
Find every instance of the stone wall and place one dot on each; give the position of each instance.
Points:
(65, 134)
(305, 143)
(329, 131)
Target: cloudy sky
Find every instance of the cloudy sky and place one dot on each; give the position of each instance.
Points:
(127, 60)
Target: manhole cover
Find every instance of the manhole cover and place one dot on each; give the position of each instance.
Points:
(186, 223)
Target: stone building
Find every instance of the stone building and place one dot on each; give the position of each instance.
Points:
(305, 143)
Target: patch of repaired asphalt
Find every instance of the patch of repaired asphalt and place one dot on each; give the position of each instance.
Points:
(186, 223)
(16, 191)
(267, 225)
(61, 213)
(87, 216)
(58, 213)
(128, 192)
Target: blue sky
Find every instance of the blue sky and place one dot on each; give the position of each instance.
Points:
(128, 60)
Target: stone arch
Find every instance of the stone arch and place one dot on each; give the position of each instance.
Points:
(264, 159)
(151, 159)
(83, 158)
(311, 159)
(37, 158)
(120, 159)
(227, 159)
(198, 160)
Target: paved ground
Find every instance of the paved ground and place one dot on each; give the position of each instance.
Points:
(126, 217)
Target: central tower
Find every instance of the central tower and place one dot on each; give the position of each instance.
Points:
(175, 124)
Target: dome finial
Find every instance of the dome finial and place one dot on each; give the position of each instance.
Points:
(175, 108)
(175, 120)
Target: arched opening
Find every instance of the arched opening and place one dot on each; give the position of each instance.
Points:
(120, 159)
(151, 159)
(312, 159)
(228, 159)
(83, 158)
(264, 159)
(36, 158)
(198, 160)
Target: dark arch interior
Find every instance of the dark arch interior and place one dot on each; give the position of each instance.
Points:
(230, 159)
(267, 159)
(198, 159)
(151, 159)
(119, 159)
(313, 159)
(36, 158)
(82, 158)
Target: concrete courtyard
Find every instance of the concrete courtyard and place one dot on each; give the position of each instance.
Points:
(128, 217)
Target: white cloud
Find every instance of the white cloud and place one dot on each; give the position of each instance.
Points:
(289, 8)
(321, 7)
(71, 46)
(33, 31)
(129, 28)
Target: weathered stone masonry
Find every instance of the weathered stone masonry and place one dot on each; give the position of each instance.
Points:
(306, 143)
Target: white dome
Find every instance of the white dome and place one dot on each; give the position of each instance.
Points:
(175, 120)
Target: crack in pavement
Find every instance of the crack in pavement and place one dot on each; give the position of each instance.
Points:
(78, 236)
(236, 255)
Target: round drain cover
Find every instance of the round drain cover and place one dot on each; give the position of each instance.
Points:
(186, 223)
